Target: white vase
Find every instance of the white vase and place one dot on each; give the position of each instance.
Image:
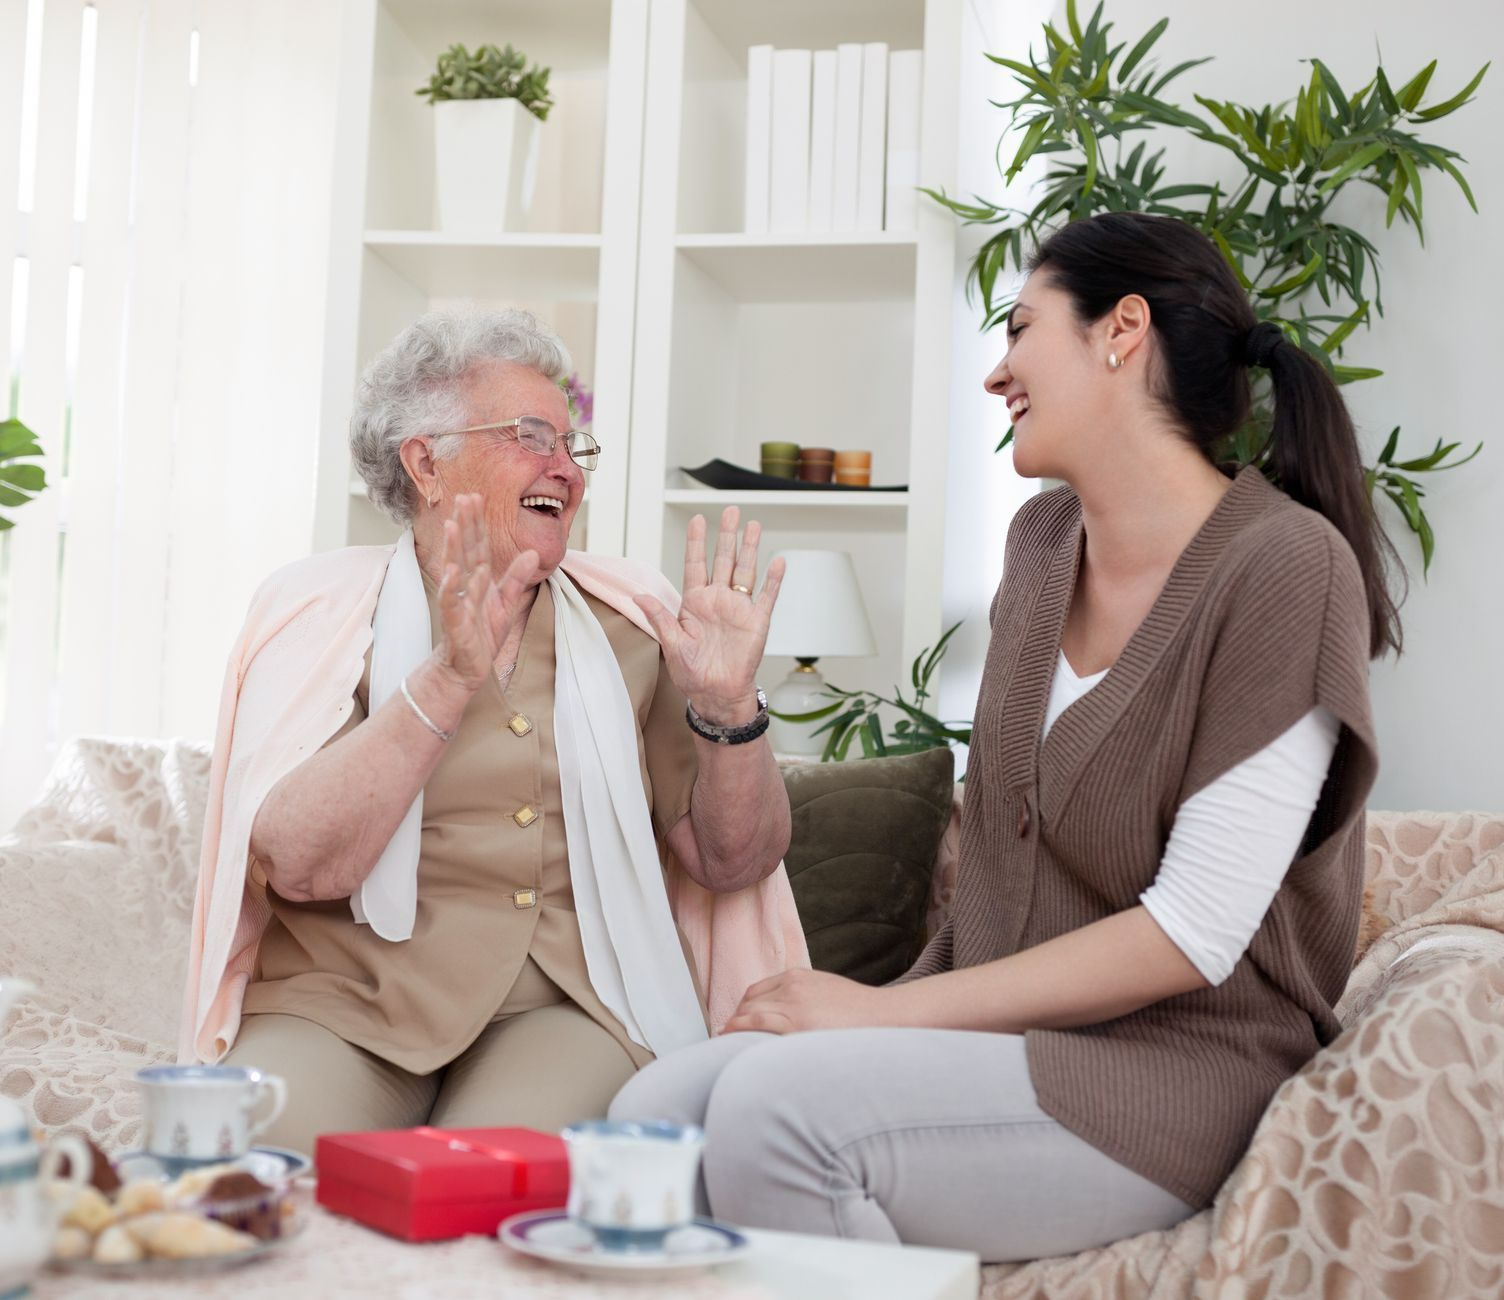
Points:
(802, 691)
(486, 163)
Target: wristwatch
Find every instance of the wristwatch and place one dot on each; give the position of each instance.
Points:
(729, 735)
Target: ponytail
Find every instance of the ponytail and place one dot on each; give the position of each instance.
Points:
(1313, 451)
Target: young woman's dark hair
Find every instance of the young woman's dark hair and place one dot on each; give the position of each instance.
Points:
(1208, 338)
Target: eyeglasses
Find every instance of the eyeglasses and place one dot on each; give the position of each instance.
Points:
(540, 438)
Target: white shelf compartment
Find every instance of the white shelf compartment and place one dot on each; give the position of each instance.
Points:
(507, 268)
(868, 266)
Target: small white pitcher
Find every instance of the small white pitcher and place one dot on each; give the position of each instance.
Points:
(28, 1216)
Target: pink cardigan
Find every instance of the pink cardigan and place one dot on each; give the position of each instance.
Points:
(288, 687)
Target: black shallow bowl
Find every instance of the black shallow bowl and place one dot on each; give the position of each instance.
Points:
(726, 476)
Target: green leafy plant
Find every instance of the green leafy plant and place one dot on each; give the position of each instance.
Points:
(857, 716)
(489, 73)
(19, 481)
(1086, 97)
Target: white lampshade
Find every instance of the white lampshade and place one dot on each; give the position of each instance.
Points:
(820, 610)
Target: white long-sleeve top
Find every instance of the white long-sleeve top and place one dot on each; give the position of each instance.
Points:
(1233, 841)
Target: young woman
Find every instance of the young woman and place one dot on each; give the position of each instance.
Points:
(1161, 857)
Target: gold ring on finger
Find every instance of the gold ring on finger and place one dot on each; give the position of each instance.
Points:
(746, 591)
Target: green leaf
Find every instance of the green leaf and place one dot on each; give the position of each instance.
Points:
(875, 731)
(33, 478)
(1352, 374)
(1359, 160)
(1334, 91)
(10, 497)
(1462, 184)
(1232, 260)
(1409, 95)
(1294, 281)
(1456, 101)
(1145, 43)
(1396, 194)
(1412, 179)
(1089, 144)
(1339, 336)
(1394, 438)
(1028, 75)
(1174, 72)
(805, 717)
(1072, 21)
(1026, 148)
(1386, 95)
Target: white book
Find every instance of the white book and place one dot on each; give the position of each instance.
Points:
(872, 150)
(848, 136)
(822, 141)
(788, 188)
(902, 207)
(759, 128)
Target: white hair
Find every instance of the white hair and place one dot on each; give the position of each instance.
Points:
(413, 386)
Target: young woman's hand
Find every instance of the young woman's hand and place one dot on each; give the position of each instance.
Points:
(809, 999)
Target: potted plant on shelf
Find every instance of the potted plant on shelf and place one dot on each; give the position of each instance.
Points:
(1087, 96)
(487, 109)
(18, 482)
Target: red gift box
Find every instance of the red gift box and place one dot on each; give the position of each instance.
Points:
(426, 1184)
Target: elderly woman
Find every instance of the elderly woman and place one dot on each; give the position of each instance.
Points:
(464, 787)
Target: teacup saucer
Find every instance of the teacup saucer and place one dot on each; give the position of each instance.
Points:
(269, 1164)
(554, 1236)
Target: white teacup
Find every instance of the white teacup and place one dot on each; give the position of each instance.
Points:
(632, 1184)
(201, 1113)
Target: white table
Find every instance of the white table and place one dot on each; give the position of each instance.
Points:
(337, 1257)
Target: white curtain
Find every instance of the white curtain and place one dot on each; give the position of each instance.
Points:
(164, 231)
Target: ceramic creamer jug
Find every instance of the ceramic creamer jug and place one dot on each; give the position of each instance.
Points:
(28, 1216)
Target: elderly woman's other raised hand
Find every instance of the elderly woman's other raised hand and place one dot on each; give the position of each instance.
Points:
(714, 646)
(479, 614)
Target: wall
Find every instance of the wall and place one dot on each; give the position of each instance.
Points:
(1440, 708)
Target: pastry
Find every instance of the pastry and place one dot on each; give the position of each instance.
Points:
(142, 1196)
(88, 1209)
(117, 1246)
(72, 1243)
(186, 1236)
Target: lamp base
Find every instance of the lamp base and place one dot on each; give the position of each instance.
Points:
(802, 691)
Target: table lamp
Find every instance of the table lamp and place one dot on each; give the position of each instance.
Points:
(819, 613)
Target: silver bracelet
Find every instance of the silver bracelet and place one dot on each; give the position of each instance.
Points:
(423, 717)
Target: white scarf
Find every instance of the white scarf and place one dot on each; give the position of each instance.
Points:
(632, 948)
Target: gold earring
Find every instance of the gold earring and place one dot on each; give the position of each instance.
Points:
(1114, 360)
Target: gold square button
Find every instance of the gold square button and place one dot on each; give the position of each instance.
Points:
(519, 725)
(524, 898)
(525, 816)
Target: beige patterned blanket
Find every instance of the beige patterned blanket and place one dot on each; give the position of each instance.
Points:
(1378, 1170)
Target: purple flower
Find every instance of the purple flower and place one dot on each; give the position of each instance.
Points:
(581, 399)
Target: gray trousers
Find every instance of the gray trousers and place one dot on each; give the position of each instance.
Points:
(930, 1137)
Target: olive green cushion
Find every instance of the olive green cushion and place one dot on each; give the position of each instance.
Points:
(865, 836)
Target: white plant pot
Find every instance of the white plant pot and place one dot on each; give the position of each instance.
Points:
(486, 160)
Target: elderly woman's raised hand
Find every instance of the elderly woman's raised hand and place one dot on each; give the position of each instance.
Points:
(479, 613)
(714, 646)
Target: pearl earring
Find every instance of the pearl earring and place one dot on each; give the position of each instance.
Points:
(1114, 360)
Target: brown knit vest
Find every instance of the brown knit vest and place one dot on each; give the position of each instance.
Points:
(1262, 618)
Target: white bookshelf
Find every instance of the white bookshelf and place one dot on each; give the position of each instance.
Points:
(574, 265)
(700, 340)
(838, 340)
